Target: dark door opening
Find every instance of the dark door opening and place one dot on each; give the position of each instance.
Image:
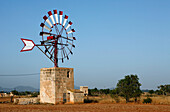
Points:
(64, 97)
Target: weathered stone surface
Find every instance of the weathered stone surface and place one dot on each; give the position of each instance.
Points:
(76, 96)
(54, 83)
(25, 101)
(84, 89)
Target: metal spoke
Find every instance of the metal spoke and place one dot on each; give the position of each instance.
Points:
(45, 54)
(51, 49)
(66, 38)
(64, 53)
(70, 50)
(43, 45)
(57, 30)
(61, 31)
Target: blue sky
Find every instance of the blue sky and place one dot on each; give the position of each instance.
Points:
(114, 38)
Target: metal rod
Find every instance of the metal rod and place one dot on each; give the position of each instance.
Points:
(58, 43)
(51, 49)
(58, 35)
(64, 53)
(61, 31)
(56, 28)
(70, 50)
(66, 38)
(45, 41)
(42, 45)
(56, 54)
(45, 54)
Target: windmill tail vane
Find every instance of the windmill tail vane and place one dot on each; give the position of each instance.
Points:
(57, 37)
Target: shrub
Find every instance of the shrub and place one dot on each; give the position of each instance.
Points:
(147, 100)
(34, 94)
(90, 101)
(115, 97)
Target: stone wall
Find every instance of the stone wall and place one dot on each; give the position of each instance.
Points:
(78, 97)
(54, 83)
(84, 89)
(25, 101)
(75, 96)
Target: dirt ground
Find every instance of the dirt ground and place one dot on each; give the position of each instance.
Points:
(6, 106)
(91, 107)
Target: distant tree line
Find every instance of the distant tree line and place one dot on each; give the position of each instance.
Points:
(129, 87)
(96, 92)
(33, 94)
(162, 90)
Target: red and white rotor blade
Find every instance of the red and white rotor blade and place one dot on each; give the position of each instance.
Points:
(56, 16)
(28, 45)
(72, 38)
(61, 16)
(69, 24)
(46, 27)
(65, 19)
(71, 31)
(48, 21)
(51, 16)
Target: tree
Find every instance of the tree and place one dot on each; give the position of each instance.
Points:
(151, 92)
(104, 91)
(137, 93)
(129, 87)
(93, 92)
(15, 92)
(27, 92)
(164, 89)
(158, 92)
(35, 94)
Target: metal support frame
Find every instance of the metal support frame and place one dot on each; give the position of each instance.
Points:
(44, 53)
(56, 54)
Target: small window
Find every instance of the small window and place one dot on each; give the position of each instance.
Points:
(68, 74)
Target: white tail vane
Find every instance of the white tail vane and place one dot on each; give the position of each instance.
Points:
(69, 24)
(56, 16)
(46, 27)
(61, 16)
(71, 31)
(28, 45)
(72, 38)
(65, 19)
(48, 21)
(51, 16)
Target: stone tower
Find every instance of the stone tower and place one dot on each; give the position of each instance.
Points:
(54, 83)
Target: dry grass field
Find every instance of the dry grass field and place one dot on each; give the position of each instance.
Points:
(165, 100)
(104, 104)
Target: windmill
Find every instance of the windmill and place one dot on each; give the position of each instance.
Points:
(57, 37)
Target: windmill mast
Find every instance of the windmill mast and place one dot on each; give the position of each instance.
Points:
(56, 54)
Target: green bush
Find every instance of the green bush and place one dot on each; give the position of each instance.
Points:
(15, 92)
(35, 94)
(147, 100)
(90, 101)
